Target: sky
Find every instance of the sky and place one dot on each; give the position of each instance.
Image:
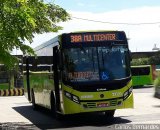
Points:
(140, 19)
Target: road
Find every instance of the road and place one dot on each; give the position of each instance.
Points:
(17, 113)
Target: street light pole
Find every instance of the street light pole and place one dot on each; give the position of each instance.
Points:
(155, 48)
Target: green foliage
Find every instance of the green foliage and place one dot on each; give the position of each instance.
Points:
(157, 81)
(21, 19)
(140, 61)
(154, 60)
(4, 86)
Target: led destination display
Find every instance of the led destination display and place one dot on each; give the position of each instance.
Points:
(92, 37)
(88, 38)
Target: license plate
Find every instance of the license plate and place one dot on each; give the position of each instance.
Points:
(102, 104)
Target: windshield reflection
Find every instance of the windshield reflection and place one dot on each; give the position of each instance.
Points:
(96, 63)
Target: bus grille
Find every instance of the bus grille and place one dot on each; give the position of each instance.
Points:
(113, 102)
(91, 104)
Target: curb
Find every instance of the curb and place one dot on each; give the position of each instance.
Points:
(12, 92)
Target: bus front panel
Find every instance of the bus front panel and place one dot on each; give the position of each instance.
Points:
(80, 102)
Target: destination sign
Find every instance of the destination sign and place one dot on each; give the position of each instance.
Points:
(77, 38)
(93, 38)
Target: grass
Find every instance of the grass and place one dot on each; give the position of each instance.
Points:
(40, 80)
(4, 86)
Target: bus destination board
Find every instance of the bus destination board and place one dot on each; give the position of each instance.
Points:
(92, 37)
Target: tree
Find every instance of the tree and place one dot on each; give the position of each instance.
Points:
(155, 59)
(21, 19)
(140, 61)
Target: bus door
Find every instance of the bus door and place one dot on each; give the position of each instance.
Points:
(27, 79)
(56, 76)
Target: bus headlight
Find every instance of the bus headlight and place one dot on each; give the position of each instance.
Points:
(72, 97)
(68, 95)
(130, 89)
(75, 99)
(127, 93)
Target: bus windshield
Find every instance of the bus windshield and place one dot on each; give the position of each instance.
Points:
(103, 63)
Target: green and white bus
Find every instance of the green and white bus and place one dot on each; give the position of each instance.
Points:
(143, 75)
(88, 72)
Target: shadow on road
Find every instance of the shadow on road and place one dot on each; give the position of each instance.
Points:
(43, 119)
(156, 106)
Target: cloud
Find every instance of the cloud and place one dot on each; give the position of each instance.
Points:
(142, 37)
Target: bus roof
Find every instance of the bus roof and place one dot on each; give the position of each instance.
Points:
(95, 31)
(55, 39)
(45, 49)
(52, 41)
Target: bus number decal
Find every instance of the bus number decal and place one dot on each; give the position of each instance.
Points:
(76, 38)
(116, 94)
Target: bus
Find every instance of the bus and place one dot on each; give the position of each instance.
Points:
(143, 75)
(89, 72)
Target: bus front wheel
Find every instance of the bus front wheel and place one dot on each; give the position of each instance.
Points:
(53, 105)
(54, 112)
(34, 105)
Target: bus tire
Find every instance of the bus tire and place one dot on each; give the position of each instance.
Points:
(53, 105)
(53, 108)
(109, 114)
(34, 105)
